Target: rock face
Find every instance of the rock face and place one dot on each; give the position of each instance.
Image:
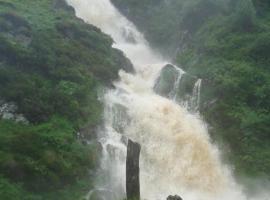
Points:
(120, 118)
(133, 171)
(165, 83)
(8, 111)
(124, 62)
(175, 84)
(175, 197)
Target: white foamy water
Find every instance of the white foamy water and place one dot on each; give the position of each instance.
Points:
(177, 155)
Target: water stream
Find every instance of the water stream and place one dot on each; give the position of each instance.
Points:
(178, 156)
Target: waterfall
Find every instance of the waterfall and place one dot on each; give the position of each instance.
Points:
(196, 94)
(178, 156)
(173, 93)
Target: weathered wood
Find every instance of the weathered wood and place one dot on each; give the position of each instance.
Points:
(133, 171)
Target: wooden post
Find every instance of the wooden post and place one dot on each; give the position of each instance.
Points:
(133, 171)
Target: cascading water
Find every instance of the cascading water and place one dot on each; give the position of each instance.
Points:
(177, 155)
(173, 93)
(196, 94)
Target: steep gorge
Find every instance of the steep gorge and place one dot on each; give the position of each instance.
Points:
(178, 155)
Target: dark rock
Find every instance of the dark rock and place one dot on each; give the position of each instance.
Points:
(62, 4)
(165, 83)
(178, 85)
(120, 118)
(186, 86)
(133, 171)
(210, 96)
(123, 61)
(175, 197)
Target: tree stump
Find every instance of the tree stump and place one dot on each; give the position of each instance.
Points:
(133, 171)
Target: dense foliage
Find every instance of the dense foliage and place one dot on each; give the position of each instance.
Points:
(51, 67)
(226, 43)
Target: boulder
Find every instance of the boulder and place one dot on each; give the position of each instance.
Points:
(171, 79)
(175, 197)
(165, 83)
(186, 86)
(175, 84)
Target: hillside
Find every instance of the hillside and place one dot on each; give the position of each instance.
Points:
(226, 43)
(52, 66)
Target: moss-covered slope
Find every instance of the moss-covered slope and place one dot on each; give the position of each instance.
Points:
(51, 66)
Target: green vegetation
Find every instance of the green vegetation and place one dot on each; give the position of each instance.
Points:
(226, 43)
(51, 66)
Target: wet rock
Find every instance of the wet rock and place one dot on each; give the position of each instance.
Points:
(168, 79)
(185, 89)
(124, 62)
(173, 83)
(133, 171)
(209, 95)
(165, 83)
(175, 197)
(120, 118)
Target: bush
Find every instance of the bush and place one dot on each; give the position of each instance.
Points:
(43, 157)
(245, 15)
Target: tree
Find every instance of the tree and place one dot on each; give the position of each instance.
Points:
(245, 15)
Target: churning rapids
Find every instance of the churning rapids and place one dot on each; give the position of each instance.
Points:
(177, 154)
